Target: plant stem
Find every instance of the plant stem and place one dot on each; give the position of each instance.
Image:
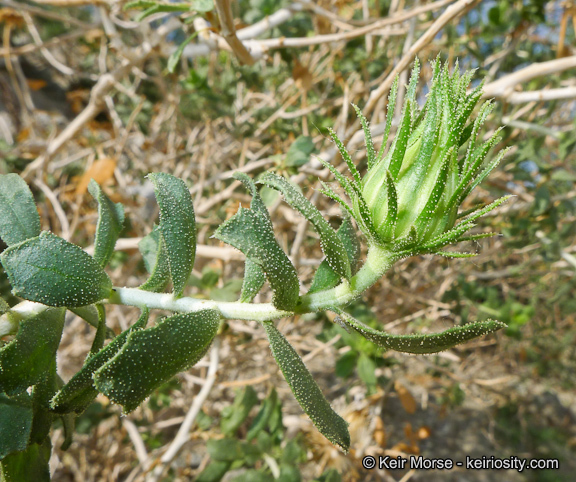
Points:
(231, 310)
(378, 261)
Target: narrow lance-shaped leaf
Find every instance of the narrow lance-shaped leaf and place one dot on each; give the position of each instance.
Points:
(389, 116)
(325, 277)
(110, 224)
(369, 143)
(50, 270)
(155, 257)
(264, 414)
(422, 343)
(455, 234)
(177, 54)
(306, 391)
(19, 219)
(178, 226)
(252, 234)
(234, 416)
(25, 360)
(79, 392)
(357, 179)
(153, 356)
(331, 244)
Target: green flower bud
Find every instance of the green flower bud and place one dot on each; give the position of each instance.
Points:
(410, 196)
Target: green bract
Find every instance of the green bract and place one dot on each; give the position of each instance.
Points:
(411, 194)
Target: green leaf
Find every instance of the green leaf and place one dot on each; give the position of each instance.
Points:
(264, 415)
(257, 204)
(367, 370)
(42, 392)
(331, 244)
(224, 450)
(325, 277)
(346, 363)
(346, 156)
(153, 356)
(252, 233)
(178, 226)
(214, 471)
(153, 251)
(79, 392)
(299, 152)
(306, 391)
(28, 465)
(88, 313)
(370, 153)
(25, 360)
(420, 343)
(15, 423)
(177, 54)
(110, 224)
(390, 108)
(49, 270)
(100, 335)
(254, 279)
(237, 413)
(19, 219)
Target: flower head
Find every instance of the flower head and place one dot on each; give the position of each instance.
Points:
(408, 200)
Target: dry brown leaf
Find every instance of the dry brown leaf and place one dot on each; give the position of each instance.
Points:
(11, 17)
(379, 432)
(424, 432)
(301, 76)
(101, 171)
(36, 84)
(406, 399)
(23, 135)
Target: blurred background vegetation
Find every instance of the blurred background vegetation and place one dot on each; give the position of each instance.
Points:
(94, 89)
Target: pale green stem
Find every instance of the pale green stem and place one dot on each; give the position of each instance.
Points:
(377, 263)
(10, 321)
(230, 310)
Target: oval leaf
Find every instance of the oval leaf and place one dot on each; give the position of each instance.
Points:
(15, 423)
(26, 359)
(178, 226)
(79, 392)
(254, 279)
(155, 257)
(251, 233)
(153, 356)
(420, 343)
(306, 391)
(19, 219)
(110, 224)
(29, 464)
(49, 270)
(331, 244)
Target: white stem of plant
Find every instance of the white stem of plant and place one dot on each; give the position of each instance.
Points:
(377, 263)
